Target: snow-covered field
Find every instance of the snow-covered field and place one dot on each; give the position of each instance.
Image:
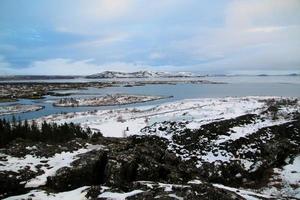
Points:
(196, 112)
(18, 108)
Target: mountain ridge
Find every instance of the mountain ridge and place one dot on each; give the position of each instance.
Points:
(141, 74)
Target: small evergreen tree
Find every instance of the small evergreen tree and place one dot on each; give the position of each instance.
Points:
(48, 132)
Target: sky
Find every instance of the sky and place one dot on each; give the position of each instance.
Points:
(80, 37)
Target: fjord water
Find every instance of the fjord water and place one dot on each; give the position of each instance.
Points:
(288, 86)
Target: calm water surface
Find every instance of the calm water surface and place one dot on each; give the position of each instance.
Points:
(236, 86)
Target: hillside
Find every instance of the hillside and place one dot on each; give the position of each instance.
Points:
(140, 74)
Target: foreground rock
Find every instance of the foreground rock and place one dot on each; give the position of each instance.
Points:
(25, 165)
(125, 161)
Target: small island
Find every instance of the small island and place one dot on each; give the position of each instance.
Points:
(108, 100)
(18, 108)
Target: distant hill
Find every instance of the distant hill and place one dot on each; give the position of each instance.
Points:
(294, 74)
(140, 74)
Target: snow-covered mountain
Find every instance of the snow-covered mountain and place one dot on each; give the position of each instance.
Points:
(140, 74)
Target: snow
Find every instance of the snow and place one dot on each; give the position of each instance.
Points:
(248, 195)
(288, 178)
(245, 130)
(77, 194)
(219, 155)
(291, 172)
(175, 196)
(119, 196)
(167, 187)
(118, 129)
(63, 159)
(195, 182)
(197, 112)
(31, 148)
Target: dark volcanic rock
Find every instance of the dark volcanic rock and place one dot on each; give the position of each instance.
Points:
(21, 147)
(12, 183)
(139, 158)
(267, 148)
(89, 169)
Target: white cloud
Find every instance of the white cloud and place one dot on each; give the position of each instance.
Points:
(62, 66)
(267, 29)
(156, 55)
(243, 13)
(104, 40)
(256, 34)
(109, 9)
(95, 16)
(235, 34)
(83, 17)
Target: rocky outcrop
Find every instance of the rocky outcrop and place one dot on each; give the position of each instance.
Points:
(139, 158)
(89, 169)
(11, 184)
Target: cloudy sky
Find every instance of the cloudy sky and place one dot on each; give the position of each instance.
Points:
(89, 36)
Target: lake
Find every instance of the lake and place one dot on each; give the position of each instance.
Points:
(235, 86)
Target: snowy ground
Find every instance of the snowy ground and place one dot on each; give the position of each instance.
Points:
(130, 121)
(18, 108)
(288, 178)
(47, 165)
